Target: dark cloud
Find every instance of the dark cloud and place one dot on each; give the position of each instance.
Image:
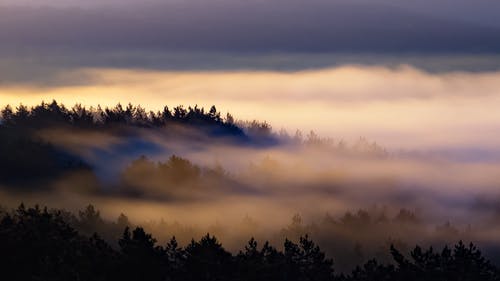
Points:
(43, 41)
(62, 66)
(249, 26)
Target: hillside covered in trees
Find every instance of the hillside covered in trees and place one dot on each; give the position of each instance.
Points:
(49, 140)
(186, 172)
(29, 157)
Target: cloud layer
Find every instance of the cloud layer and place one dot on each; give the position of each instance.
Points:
(399, 107)
(250, 26)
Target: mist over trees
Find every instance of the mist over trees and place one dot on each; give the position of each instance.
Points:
(128, 156)
(39, 244)
(28, 156)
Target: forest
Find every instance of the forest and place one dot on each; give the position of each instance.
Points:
(28, 157)
(39, 244)
(245, 140)
(208, 197)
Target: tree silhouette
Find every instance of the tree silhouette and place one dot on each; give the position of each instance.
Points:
(38, 244)
(208, 260)
(305, 261)
(141, 258)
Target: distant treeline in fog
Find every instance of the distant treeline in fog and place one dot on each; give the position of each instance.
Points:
(28, 157)
(30, 137)
(39, 244)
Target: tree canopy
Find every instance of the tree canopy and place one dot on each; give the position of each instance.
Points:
(40, 244)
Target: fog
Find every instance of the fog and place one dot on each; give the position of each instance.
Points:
(453, 113)
(312, 177)
(241, 191)
(397, 155)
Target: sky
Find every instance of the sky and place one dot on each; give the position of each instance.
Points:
(254, 25)
(407, 74)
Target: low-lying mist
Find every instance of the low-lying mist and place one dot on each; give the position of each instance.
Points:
(398, 106)
(241, 179)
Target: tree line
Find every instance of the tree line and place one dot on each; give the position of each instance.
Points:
(54, 114)
(39, 244)
(26, 157)
(29, 158)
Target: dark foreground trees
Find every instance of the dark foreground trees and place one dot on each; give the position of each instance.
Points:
(38, 244)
